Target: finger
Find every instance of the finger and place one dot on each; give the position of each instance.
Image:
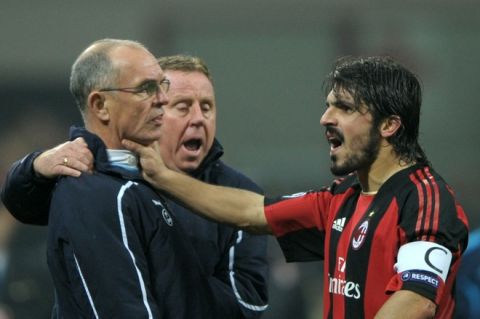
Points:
(134, 147)
(156, 146)
(67, 171)
(78, 165)
(84, 156)
(80, 141)
(89, 158)
(78, 149)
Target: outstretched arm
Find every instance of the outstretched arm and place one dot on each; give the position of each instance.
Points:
(29, 183)
(407, 304)
(223, 204)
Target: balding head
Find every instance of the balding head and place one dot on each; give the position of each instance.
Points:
(112, 83)
(94, 68)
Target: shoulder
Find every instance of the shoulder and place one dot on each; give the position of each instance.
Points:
(225, 175)
(95, 185)
(342, 185)
(429, 210)
(101, 199)
(424, 184)
(223, 170)
(91, 194)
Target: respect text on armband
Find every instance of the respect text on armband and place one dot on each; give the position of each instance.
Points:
(421, 277)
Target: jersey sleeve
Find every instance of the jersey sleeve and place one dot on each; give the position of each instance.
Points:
(298, 222)
(26, 195)
(96, 251)
(433, 232)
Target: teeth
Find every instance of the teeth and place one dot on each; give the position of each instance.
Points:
(334, 143)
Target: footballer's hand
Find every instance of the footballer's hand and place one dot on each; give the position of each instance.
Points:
(70, 159)
(151, 162)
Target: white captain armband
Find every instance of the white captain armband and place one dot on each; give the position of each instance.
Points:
(417, 259)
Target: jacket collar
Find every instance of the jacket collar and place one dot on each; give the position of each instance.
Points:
(101, 163)
(99, 151)
(216, 151)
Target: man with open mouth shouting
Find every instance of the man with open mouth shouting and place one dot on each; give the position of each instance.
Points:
(234, 261)
(390, 230)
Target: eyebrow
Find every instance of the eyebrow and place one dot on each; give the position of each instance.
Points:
(339, 103)
(148, 81)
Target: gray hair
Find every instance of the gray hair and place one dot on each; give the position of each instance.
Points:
(94, 69)
(184, 63)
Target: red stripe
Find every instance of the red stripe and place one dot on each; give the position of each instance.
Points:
(415, 180)
(428, 217)
(436, 212)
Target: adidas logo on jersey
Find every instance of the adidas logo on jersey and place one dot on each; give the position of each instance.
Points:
(338, 224)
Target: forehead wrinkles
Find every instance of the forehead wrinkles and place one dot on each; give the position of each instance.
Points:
(142, 66)
(191, 85)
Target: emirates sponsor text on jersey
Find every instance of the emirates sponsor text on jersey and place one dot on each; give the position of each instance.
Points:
(343, 287)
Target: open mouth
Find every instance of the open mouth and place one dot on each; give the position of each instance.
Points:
(334, 138)
(193, 144)
(334, 142)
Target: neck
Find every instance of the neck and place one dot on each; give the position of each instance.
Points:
(384, 167)
(108, 137)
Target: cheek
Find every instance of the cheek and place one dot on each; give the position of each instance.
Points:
(135, 118)
(171, 132)
(355, 137)
(173, 127)
(358, 142)
(210, 127)
(167, 148)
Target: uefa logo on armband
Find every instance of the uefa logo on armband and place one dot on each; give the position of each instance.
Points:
(406, 276)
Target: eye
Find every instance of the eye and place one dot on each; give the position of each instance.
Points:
(181, 106)
(150, 88)
(206, 107)
(347, 108)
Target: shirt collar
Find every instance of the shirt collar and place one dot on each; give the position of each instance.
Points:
(123, 158)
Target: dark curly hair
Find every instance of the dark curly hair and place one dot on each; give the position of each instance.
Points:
(386, 88)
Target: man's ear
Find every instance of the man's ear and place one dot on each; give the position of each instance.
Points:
(390, 126)
(98, 106)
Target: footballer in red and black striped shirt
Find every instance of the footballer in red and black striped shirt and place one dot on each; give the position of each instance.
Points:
(409, 235)
(391, 232)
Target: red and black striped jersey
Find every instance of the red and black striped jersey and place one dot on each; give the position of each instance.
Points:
(359, 237)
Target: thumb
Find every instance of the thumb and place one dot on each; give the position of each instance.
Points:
(133, 146)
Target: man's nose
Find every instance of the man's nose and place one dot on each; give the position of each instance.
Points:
(197, 115)
(161, 98)
(328, 118)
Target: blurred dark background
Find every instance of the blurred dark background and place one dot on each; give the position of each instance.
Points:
(268, 60)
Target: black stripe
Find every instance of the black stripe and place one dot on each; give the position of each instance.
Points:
(346, 210)
(358, 273)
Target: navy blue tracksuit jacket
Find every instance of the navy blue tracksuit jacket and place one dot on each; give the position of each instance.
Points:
(115, 251)
(233, 261)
